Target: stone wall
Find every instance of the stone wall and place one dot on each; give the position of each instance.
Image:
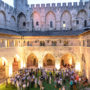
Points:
(8, 54)
(57, 52)
(40, 52)
(78, 50)
(44, 17)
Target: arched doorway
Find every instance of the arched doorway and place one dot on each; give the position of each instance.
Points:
(21, 21)
(32, 61)
(50, 20)
(67, 59)
(3, 63)
(49, 61)
(16, 64)
(82, 18)
(66, 20)
(36, 21)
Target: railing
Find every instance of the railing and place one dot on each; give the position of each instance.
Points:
(42, 47)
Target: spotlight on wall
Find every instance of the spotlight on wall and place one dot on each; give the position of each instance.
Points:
(22, 64)
(70, 61)
(10, 70)
(17, 56)
(40, 65)
(57, 66)
(4, 60)
(77, 67)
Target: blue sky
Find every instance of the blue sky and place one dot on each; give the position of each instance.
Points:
(10, 2)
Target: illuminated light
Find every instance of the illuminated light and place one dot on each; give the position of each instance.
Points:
(17, 56)
(57, 66)
(77, 67)
(64, 25)
(24, 65)
(5, 43)
(10, 70)
(4, 60)
(70, 61)
(40, 66)
(21, 64)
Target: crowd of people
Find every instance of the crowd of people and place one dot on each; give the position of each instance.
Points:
(26, 79)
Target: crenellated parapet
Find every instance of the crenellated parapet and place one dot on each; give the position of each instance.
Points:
(59, 5)
(44, 17)
(6, 7)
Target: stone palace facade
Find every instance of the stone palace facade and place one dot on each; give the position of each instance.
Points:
(45, 35)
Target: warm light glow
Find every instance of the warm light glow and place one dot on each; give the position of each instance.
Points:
(70, 61)
(77, 67)
(40, 65)
(4, 60)
(5, 43)
(57, 66)
(17, 56)
(22, 64)
(64, 25)
(10, 70)
(87, 72)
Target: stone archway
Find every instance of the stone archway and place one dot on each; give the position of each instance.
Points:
(3, 64)
(82, 18)
(67, 59)
(16, 63)
(36, 20)
(50, 20)
(32, 61)
(2, 18)
(21, 21)
(49, 61)
(66, 20)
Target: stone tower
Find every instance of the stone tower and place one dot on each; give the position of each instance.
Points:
(20, 4)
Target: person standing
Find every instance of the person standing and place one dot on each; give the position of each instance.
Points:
(71, 84)
(24, 86)
(35, 82)
(63, 88)
(50, 80)
(28, 85)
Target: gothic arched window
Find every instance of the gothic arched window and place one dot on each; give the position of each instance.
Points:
(54, 43)
(77, 22)
(24, 24)
(85, 23)
(37, 23)
(51, 24)
(42, 43)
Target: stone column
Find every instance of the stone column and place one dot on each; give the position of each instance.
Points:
(57, 63)
(40, 62)
(5, 43)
